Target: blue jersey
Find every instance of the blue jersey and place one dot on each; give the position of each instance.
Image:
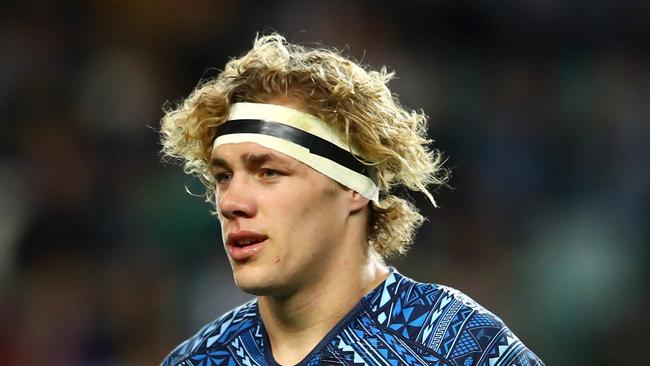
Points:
(401, 322)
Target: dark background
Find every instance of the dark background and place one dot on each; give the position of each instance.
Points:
(542, 107)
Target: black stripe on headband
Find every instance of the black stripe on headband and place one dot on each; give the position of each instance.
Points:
(315, 144)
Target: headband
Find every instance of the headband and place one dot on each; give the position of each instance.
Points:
(301, 136)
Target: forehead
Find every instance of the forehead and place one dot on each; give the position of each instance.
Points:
(250, 152)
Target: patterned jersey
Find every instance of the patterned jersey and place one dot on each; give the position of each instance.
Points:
(401, 322)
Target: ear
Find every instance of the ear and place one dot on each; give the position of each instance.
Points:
(356, 201)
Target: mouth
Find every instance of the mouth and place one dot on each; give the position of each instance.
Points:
(243, 245)
(246, 242)
(244, 238)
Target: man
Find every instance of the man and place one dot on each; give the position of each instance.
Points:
(299, 149)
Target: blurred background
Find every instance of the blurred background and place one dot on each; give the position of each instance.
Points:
(542, 107)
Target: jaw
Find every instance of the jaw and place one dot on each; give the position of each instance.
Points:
(260, 276)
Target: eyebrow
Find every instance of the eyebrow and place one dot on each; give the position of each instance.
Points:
(250, 160)
(219, 163)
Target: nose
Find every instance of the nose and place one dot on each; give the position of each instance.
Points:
(236, 199)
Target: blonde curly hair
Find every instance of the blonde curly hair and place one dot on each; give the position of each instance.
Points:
(352, 98)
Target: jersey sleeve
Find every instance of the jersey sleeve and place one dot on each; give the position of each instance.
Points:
(483, 339)
(213, 335)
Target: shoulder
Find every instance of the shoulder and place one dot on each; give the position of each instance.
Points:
(447, 322)
(219, 331)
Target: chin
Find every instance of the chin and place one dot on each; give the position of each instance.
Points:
(251, 282)
(259, 289)
(259, 286)
(253, 290)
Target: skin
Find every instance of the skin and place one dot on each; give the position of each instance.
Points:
(315, 264)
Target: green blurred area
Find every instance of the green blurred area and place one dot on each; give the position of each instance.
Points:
(542, 108)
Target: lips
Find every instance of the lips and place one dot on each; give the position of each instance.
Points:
(244, 238)
(243, 245)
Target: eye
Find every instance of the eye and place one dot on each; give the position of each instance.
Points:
(222, 177)
(269, 173)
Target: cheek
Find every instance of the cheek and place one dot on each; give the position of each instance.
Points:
(297, 226)
(304, 211)
(303, 219)
(316, 222)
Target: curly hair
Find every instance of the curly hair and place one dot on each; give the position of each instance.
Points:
(353, 98)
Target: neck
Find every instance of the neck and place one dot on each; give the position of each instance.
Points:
(297, 323)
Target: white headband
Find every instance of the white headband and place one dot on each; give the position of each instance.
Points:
(301, 136)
